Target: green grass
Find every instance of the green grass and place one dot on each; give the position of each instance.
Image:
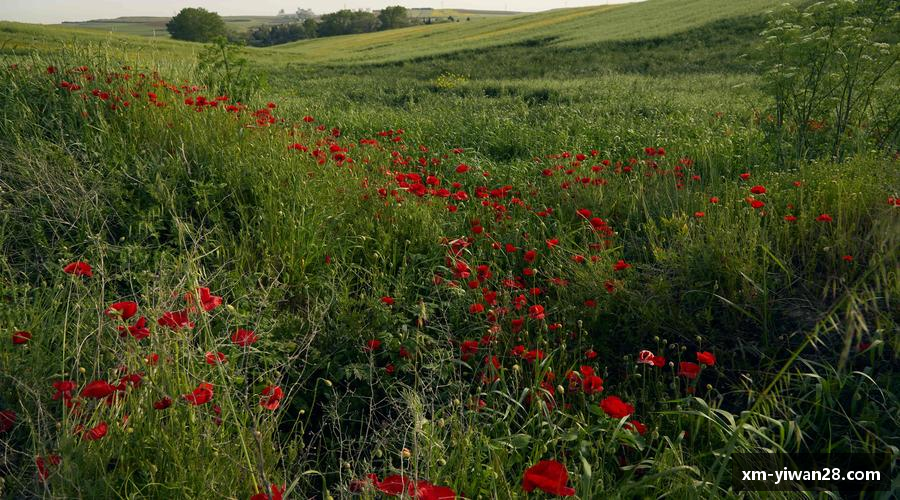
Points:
(163, 199)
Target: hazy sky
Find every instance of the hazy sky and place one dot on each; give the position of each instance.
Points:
(55, 11)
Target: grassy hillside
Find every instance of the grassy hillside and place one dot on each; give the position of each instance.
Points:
(445, 261)
(563, 27)
(562, 33)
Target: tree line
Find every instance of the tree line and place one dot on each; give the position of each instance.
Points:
(200, 25)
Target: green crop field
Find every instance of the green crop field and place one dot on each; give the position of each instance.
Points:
(597, 252)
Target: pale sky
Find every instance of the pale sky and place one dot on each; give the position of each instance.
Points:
(56, 11)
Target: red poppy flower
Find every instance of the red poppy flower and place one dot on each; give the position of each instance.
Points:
(847, 258)
(590, 354)
(163, 403)
(243, 337)
(468, 348)
(824, 218)
(534, 355)
(462, 168)
(21, 337)
(530, 255)
(275, 493)
(536, 312)
(41, 464)
(124, 310)
(790, 218)
(621, 265)
(201, 395)
(757, 204)
(714, 199)
(98, 389)
(208, 301)
(706, 358)
(548, 476)
(387, 300)
(215, 358)
(592, 384)
(7, 420)
(175, 320)
(476, 308)
(745, 176)
(79, 268)
(758, 190)
(271, 397)
(615, 407)
(64, 389)
(96, 432)
(139, 330)
(373, 345)
(688, 369)
(636, 426)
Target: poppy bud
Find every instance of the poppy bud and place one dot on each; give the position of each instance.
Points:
(405, 453)
(327, 382)
(81, 369)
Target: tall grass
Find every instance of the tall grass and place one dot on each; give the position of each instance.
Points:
(163, 200)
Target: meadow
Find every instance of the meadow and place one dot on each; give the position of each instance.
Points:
(558, 254)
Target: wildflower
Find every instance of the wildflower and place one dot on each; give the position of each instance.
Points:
(7, 420)
(207, 300)
(21, 337)
(163, 403)
(139, 330)
(536, 312)
(274, 493)
(636, 426)
(175, 320)
(548, 476)
(621, 265)
(64, 389)
(215, 358)
(124, 310)
(824, 218)
(271, 397)
(758, 190)
(706, 358)
(98, 389)
(467, 348)
(373, 345)
(688, 370)
(201, 395)
(244, 338)
(387, 300)
(79, 268)
(614, 407)
(96, 432)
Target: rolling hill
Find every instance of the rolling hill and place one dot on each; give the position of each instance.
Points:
(561, 29)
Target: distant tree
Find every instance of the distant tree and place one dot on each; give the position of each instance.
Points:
(304, 14)
(196, 25)
(393, 17)
(346, 22)
(281, 12)
(310, 27)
